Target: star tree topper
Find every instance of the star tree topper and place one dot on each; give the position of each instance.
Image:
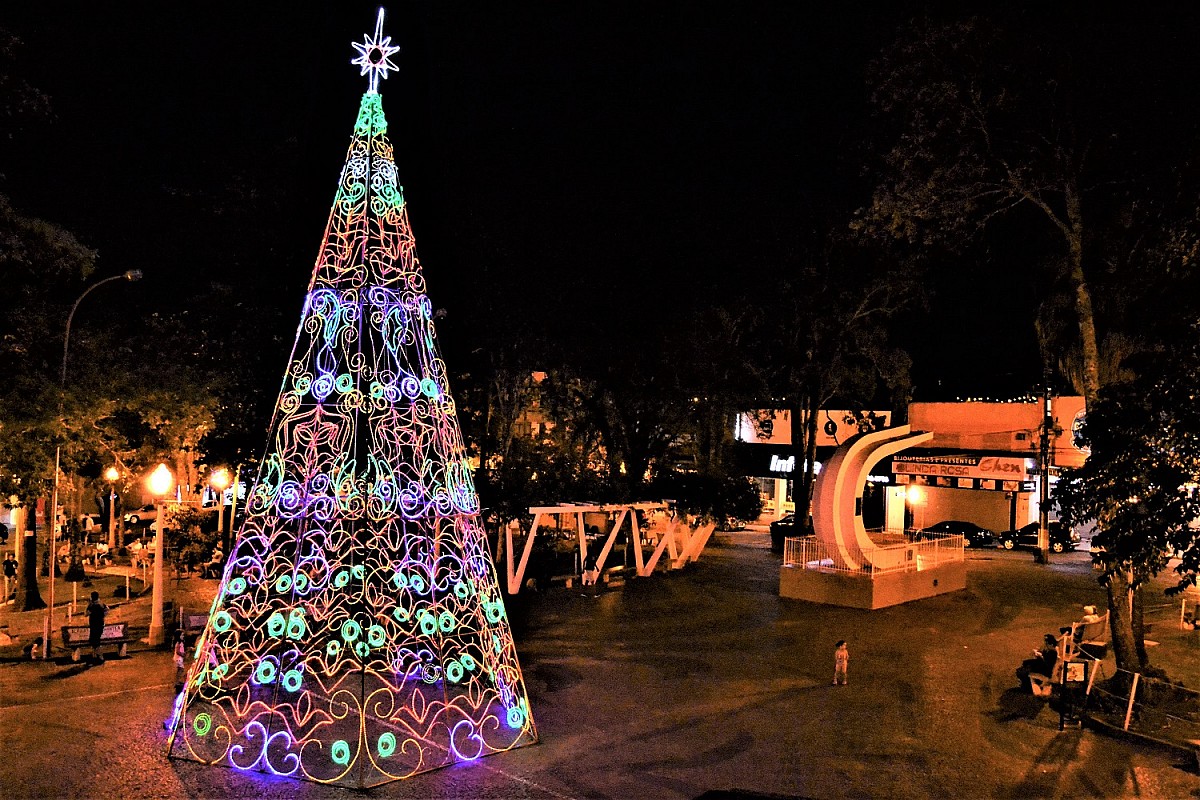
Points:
(374, 54)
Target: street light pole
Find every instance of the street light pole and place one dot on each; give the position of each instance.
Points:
(111, 474)
(129, 275)
(161, 482)
(219, 480)
(1043, 548)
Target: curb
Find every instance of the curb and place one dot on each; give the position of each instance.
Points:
(1183, 751)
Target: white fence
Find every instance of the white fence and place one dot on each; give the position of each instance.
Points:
(892, 552)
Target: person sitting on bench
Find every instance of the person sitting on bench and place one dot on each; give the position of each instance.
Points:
(212, 569)
(1042, 663)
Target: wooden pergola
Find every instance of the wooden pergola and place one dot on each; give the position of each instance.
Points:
(682, 542)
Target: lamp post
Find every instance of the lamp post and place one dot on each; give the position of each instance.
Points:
(1045, 460)
(916, 499)
(111, 474)
(219, 480)
(129, 275)
(160, 482)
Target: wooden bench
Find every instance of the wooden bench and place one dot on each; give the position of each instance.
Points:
(1091, 638)
(76, 637)
(1041, 685)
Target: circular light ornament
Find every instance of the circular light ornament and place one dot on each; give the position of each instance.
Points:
(375, 636)
(515, 717)
(265, 672)
(292, 680)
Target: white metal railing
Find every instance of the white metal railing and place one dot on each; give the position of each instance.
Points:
(886, 557)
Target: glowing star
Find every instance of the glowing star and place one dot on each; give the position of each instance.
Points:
(374, 55)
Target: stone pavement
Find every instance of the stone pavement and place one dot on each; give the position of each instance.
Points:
(675, 686)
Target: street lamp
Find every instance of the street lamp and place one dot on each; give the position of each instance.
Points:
(916, 499)
(160, 482)
(111, 474)
(219, 480)
(129, 275)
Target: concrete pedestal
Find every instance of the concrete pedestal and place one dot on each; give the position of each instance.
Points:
(854, 590)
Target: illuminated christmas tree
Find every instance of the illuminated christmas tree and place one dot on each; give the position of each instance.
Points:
(359, 633)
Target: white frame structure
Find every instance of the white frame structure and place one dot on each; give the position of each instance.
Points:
(682, 542)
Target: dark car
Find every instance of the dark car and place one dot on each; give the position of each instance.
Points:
(781, 529)
(973, 535)
(1062, 538)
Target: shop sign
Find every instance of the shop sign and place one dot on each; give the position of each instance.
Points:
(1001, 468)
(783, 464)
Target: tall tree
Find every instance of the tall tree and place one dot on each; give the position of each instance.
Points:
(1040, 124)
(822, 340)
(1141, 482)
(36, 257)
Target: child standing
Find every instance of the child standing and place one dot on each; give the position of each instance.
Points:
(841, 660)
(180, 651)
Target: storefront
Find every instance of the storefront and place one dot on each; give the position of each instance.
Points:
(763, 451)
(984, 463)
(989, 489)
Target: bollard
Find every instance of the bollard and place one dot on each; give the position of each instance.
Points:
(1132, 694)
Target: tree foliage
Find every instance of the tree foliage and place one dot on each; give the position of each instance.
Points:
(1141, 481)
(822, 340)
(1034, 128)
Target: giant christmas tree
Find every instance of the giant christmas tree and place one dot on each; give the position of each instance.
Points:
(359, 634)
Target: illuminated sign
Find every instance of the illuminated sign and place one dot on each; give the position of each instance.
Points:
(963, 466)
(783, 464)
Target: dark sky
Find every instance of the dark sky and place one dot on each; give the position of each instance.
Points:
(586, 154)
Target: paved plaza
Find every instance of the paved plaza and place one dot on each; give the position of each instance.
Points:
(699, 681)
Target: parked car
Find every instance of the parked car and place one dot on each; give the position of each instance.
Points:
(147, 513)
(783, 528)
(973, 535)
(1062, 538)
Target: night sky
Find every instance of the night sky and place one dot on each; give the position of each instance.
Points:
(582, 155)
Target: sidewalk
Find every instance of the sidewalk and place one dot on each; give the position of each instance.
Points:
(21, 628)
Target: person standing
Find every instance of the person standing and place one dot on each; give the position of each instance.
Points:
(96, 611)
(10, 573)
(841, 662)
(180, 652)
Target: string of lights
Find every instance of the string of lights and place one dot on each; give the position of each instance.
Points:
(359, 634)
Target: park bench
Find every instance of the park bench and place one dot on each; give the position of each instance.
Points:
(75, 637)
(1092, 637)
